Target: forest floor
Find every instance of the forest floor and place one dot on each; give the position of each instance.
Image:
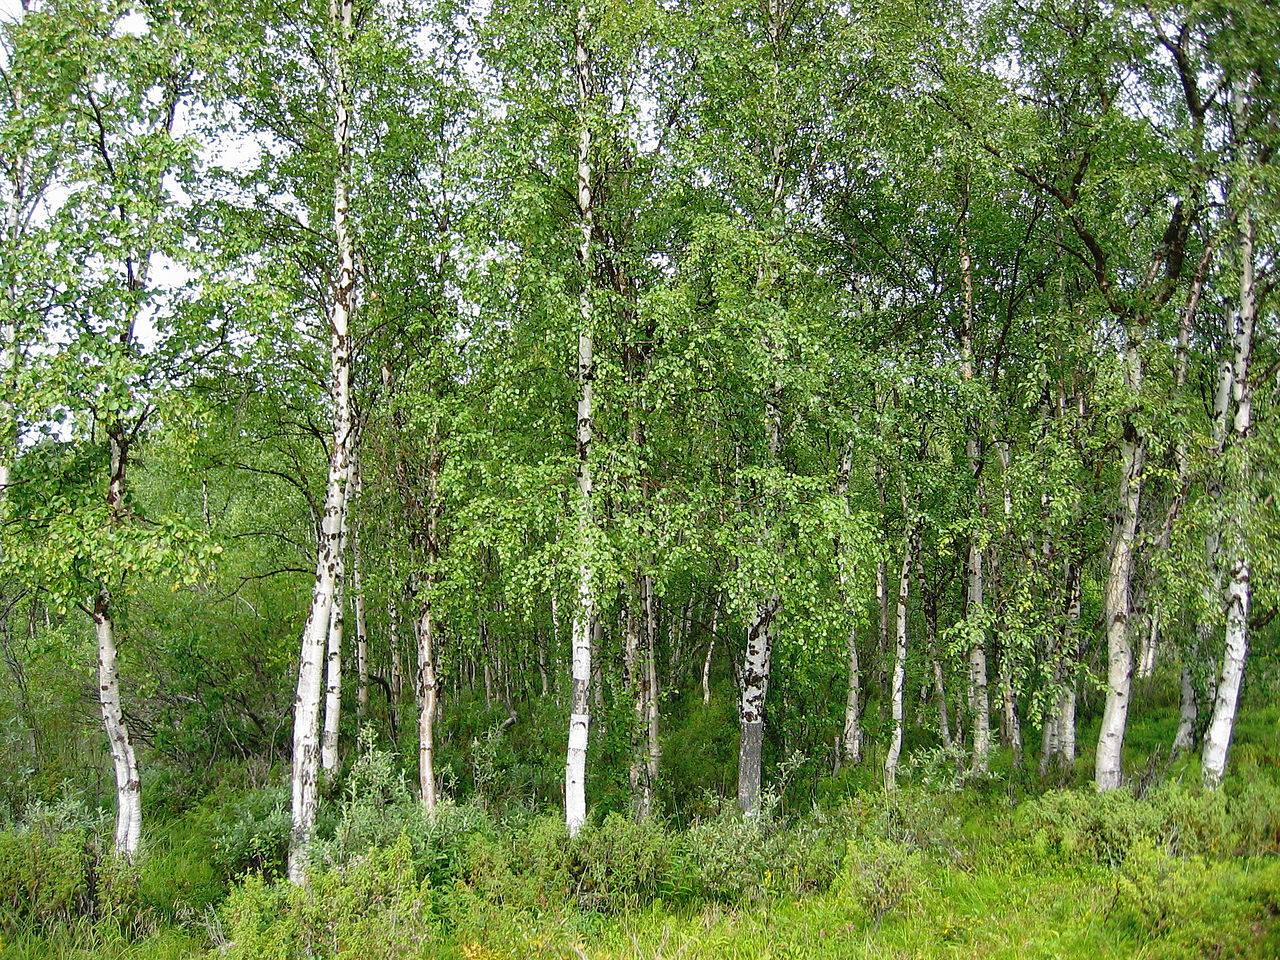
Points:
(975, 872)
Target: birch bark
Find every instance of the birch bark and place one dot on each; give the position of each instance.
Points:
(757, 662)
(584, 615)
(337, 627)
(1238, 593)
(975, 612)
(362, 633)
(306, 711)
(711, 646)
(851, 729)
(128, 833)
(1108, 764)
(909, 548)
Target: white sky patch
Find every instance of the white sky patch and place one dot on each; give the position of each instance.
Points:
(132, 24)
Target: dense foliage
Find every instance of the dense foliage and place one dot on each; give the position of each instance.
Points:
(451, 451)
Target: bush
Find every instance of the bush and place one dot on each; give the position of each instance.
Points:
(373, 908)
(930, 823)
(1082, 826)
(1182, 907)
(252, 834)
(619, 864)
(881, 875)
(58, 867)
(44, 878)
(725, 856)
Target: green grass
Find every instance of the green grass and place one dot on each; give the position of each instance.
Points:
(992, 871)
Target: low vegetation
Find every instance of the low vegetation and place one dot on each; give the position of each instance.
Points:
(1005, 866)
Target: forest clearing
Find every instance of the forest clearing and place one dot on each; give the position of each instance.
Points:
(665, 479)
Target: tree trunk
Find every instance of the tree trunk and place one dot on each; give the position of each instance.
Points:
(939, 688)
(711, 646)
(333, 653)
(1188, 713)
(396, 665)
(755, 687)
(1108, 765)
(306, 712)
(1058, 741)
(758, 659)
(428, 696)
(975, 610)
(128, 782)
(851, 730)
(584, 616)
(1238, 594)
(909, 547)
(362, 635)
(653, 751)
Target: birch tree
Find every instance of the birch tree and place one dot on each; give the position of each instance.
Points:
(316, 631)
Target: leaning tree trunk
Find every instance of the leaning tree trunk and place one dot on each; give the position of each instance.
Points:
(306, 710)
(584, 615)
(1237, 596)
(128, 781)
(711, 647)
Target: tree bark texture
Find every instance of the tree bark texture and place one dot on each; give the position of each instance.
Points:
(306, 711)
(584, 615)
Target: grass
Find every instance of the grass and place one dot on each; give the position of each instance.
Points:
(925, 876)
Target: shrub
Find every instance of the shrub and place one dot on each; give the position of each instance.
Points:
(252, 834)
(44, 878)
(726, 856)
(372, 908)
(1182, 907)
(618, 864)
(1082, 826)
(881, 875)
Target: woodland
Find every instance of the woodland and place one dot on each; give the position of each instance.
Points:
(674, 478)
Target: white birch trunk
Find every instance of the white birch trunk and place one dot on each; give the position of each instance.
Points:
(975, 588)
(851, 729)
(1238, 594)
(1108, 764)
(711, 646)
(882, 629)
(128, 782)
(653, 752)
(306, 712)
(396, 664)
(900, 660)
(429, 699)
(979, 704)
(362, 634)
(1010, 728)
(755, 687)
(757, 662)
(333, 664)
(584, 616)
